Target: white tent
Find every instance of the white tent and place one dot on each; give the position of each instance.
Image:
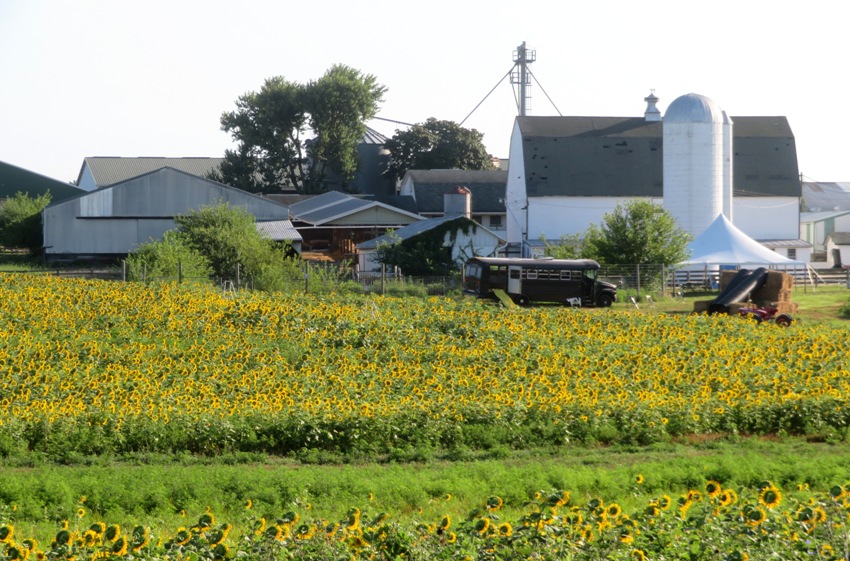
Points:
(724, 244)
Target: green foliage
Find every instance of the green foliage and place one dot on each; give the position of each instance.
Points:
(268, 127)
(340, 103)
(20, 221)
(426, 254)
(568, 246)
(228, 238)
(844, 311)
(437, 144)
(637, 233)
(167, 259)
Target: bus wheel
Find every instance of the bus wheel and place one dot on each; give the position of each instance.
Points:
(522, 300)
(605, 300)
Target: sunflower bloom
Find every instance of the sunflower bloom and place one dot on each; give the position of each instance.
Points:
(770, 497)
(505, 530)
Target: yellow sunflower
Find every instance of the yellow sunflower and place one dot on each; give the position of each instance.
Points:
(713, 488)
(770, 497)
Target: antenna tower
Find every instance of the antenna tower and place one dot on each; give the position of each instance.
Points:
(521, 77)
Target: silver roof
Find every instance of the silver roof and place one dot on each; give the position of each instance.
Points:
(279, 230)
(822, 196)
(693, 108)
(110, 170)
(333, 204)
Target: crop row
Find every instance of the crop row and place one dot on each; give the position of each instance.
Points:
(101, 367)
(712, 522)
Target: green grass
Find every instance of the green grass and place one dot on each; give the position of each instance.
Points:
(157, 494)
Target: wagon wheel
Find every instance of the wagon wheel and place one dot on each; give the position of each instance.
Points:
(522, 300)
(756, 318)
(784, 320)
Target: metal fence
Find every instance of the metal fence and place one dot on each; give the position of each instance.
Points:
(319, 277)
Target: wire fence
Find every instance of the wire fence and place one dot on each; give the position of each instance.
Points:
(322, 277)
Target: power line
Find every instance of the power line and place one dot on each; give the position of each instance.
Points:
(508, 73)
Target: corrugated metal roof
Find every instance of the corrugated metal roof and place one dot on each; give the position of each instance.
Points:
(110, 170)
(279, 230)
(371, 136)
(794, 244)
(316, 202)
(821, 216)
(826, 196)
(329, 212)
(333, 205)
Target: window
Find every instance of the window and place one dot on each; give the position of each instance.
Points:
(565, 275)
(532, 274)
(495, 221)
(792, 253)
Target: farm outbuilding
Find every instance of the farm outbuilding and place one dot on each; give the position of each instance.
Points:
(112, 221)
(838, 249)
(487, 188)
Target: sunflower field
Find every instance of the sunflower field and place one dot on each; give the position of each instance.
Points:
(709, 523)
(98, 367)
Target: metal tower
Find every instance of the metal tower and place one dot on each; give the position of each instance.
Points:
(521, 78)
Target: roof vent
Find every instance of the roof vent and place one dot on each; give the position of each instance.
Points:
(652, 113)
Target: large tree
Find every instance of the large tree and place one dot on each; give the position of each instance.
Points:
(437, 144)
(636, 233)
(270, 129)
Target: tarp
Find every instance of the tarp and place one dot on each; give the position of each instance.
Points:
(724, 244)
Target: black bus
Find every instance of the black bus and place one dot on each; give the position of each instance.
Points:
(566, 281)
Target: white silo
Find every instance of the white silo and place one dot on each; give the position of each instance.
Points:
(693, 152)
(727, 166)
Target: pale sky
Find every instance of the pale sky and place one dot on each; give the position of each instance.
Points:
(125, 78)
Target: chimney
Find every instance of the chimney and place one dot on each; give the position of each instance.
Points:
(458, 202)
(652, 113)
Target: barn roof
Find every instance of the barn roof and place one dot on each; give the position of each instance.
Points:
(14, 179)
(622, 156)
(826, 196)
(110, 170)
(333, 205)
(487, 188)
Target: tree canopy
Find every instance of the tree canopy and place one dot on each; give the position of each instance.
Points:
(20, 221)
(270, 128)
(437, 144)
(637, 232)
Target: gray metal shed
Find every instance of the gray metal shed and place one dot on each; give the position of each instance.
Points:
(112, 221)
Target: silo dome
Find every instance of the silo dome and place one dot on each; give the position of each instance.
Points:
(693, 108)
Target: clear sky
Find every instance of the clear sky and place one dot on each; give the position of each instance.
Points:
(128, 78)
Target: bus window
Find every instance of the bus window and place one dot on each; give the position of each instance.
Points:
(532, 274)
(565, 275)
(515, 273)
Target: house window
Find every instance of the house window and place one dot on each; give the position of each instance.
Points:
(792, 253)
(496, 220)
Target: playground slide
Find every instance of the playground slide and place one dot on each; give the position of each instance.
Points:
(738, 289)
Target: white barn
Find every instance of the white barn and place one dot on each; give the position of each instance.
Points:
(566, 173)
